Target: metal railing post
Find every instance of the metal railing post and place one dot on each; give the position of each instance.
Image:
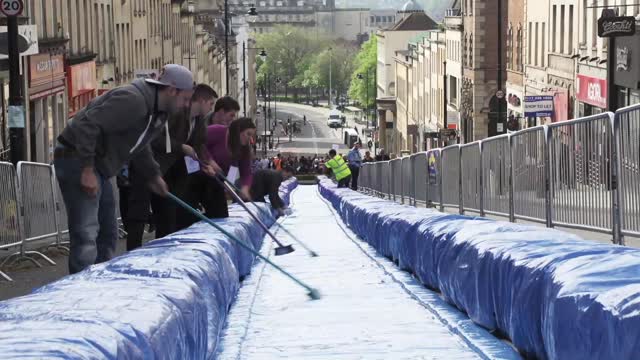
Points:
(439, 181)
(616, 216)
(481, 181)
(460, 192)
(512, 216)
(547, 177)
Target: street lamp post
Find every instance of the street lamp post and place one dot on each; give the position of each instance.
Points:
(366, 90)
(264, 142)
(330, 84)
(252, 15)
(263, 55)
(275, 100)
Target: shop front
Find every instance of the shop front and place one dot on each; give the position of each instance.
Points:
(46, 103)
(591, 95)
(82, 85)
(627, 70)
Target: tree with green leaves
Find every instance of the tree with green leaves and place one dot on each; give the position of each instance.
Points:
(290, 51)
(339, 59)
(363, 78)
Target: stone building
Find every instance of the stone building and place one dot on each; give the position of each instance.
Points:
(484, 76)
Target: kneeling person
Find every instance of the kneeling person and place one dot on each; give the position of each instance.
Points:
(266, 182)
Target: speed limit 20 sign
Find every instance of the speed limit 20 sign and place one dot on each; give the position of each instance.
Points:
(11, 7)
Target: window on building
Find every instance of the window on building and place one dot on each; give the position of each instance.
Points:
(378, 19)
(583, 39)
(453, 90)
(562, 30)
(471, 50)
(529, 45)
(510, 48)
(465, 50)
(594, 26)
(537, 46)
(570, 44)
(554, 22)
(519, 52)
(543, 49)
(372, 19)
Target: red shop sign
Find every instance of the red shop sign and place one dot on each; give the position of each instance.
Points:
(592, 91)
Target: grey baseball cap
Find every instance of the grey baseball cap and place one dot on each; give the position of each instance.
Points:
(174, 75)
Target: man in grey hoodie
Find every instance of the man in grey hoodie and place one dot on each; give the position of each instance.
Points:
(112, 129)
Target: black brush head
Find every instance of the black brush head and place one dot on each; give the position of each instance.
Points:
(284, 250)
(314, 294)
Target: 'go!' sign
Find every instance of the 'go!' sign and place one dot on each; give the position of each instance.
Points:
(11, 7)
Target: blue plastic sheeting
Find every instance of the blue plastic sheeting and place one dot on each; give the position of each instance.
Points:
(369, 309)
(167, 300)
(553, 294)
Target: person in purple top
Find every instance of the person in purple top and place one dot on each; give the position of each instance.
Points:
(230, 153)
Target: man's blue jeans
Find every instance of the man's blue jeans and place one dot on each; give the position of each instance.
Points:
(93, 230)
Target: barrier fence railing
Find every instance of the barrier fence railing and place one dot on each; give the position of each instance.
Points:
(32, 214)
(582, 174)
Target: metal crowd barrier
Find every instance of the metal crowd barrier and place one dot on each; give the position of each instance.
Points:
(582, 174)
(627, 138)
(450, 179)
(396, 173)
(10, 220)
(363, 182)
(32, 213)
(407, 180)
(580, 164)
(496, 176)
(434, 178)
(528, 151)
(386, 179)
(420, 168)
(374, 179)
(471, 177)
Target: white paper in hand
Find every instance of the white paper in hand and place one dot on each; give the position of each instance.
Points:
(192, 165)
(233, 174)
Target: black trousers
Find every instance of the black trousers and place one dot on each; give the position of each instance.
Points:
(344, 183)
(137, 215)
(164, 210)
(355, 173)
(203, 191)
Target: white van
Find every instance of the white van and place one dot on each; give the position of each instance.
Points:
(335, 119)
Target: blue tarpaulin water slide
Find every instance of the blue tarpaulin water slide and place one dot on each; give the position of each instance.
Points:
(458, 282)
(553, 294)
(166, 300)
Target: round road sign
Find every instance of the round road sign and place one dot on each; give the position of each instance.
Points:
(11, 7)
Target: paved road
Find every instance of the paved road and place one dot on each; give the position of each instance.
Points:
(315, 138)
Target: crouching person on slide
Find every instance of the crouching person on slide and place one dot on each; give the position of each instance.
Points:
(267, 182)
(115, 127)
(340, 169)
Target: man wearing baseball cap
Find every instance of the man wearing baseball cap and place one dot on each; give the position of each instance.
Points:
(112, 129)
